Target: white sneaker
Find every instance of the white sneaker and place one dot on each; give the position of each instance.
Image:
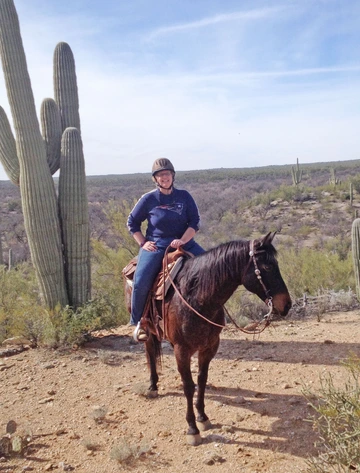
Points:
(139, 334)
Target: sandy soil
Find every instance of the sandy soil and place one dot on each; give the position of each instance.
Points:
(86, 409)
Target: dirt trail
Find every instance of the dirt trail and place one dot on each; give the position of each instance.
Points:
(254, 400)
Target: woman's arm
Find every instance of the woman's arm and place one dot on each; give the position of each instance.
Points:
(189, 233)
(143, 243)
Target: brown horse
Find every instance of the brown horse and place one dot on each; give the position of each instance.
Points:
(206, 282)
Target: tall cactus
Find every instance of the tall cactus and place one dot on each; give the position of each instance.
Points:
(355, 242)
(38, 157)
(74, 217)
(296, 173)
(333, 180)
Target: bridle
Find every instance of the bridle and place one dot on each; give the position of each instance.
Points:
(268, 297)
(254, 328)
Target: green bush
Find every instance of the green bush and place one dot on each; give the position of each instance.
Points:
(19, 302)
(107, 278)
(21, 312)
(68, 326)
(337, 421)
(308, 271)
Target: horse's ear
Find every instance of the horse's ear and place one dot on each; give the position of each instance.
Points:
(267, 240)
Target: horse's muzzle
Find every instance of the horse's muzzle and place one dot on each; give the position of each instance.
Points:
(281, 306)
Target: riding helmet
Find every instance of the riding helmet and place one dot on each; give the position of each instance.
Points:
(162, 164)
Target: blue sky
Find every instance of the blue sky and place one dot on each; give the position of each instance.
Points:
(206, 83)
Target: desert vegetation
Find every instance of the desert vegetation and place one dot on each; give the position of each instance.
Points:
(336, 420)
(313, 220)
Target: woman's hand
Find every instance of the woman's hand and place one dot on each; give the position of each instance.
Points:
(177, 243)
(149, 246)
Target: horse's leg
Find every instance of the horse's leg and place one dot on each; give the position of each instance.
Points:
(153, 352)
(183, 359)
(204, 359)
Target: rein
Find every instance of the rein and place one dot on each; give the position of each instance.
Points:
(256, 327)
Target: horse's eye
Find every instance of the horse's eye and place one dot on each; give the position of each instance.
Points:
(267, 267)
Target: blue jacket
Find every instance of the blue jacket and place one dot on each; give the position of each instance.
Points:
(168, 216)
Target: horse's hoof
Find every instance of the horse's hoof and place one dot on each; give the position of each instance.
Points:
(203, 426)
(193, 440)
(152, 394)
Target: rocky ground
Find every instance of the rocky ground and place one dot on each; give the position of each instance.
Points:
(86, 410)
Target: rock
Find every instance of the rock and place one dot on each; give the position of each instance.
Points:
(16, 341)
(212, 458)
(239, 400)
(46, 400)
(65, 467)
(11, 427)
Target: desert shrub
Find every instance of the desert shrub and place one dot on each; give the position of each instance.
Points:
(14, 205)
(245, 307)
(117, 214)
(356, 183)
(339, 245)
(108, 263)
(126, 454)
(22, 314)
(337, 422)
(288, 193)
(67, 326)
(107, 280)
(19, 302)
(308, 271)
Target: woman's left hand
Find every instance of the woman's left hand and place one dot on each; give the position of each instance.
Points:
(177, 243)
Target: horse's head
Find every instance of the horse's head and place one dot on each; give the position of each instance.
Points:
(262, 276)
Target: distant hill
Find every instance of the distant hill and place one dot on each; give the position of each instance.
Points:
(236, 202)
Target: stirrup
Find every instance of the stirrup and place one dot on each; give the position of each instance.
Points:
(140, 334)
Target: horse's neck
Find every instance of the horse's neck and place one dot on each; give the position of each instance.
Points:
(222, 274)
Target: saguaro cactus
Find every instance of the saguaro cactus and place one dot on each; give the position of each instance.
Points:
(74, 217)
(333, 180)
(296, 173)
(355, 241)
(36, 157)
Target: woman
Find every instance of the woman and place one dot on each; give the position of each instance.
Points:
(172, 219)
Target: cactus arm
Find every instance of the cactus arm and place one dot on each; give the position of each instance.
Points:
(36, 184)
(74, 216)
(51, 132)
(8, 154)
(65, 86)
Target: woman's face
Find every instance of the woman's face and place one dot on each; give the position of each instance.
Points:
(164, 179)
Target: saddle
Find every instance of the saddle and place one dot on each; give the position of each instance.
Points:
(172, 264)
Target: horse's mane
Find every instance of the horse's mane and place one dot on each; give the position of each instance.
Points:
(225, 263)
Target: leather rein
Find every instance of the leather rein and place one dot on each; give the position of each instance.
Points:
(256, 327)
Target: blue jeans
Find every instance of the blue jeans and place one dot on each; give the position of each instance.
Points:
(148, 267)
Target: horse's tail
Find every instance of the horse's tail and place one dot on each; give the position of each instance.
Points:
(153, 352)
(158, 352)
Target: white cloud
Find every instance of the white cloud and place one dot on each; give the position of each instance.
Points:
(246, 15)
